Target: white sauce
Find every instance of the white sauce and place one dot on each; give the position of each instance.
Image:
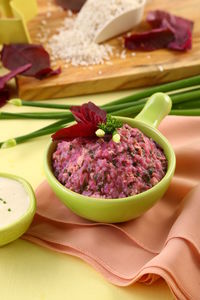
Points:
(14, 201)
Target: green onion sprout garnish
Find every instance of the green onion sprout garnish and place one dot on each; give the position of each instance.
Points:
(116, 137)
(110, 128)
(100, 133)
(111, 124)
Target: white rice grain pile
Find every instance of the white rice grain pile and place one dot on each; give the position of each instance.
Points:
(74, 42)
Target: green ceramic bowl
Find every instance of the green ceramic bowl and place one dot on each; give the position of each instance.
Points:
(14, 230)
(122, 209)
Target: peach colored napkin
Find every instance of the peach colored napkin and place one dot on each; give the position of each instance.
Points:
(164, 242)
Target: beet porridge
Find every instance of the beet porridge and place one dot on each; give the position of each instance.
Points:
(99, 167)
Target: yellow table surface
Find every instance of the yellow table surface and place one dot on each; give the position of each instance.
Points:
(30, 272)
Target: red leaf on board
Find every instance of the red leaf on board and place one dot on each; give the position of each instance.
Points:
(73, 5)
(169, 31)
(88, 116)
(5, 78)
(149, 40)
(181, 28)
(17, 55)
(48, 72)
(157, 17)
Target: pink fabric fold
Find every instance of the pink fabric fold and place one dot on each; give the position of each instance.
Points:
(164, 242)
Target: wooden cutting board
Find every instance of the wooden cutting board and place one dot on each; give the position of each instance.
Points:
(143, 69)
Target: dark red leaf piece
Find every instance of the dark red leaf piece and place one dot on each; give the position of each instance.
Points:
(169, 31)
(77, 130)
(89, 112)
(48, 72)
(17, 55)
(4, 79)
(73, 5)
(181, 28)
(4, 93)
(150, 40)
(88, 116)
(158, 18)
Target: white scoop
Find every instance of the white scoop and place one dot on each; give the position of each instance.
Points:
(121, 24)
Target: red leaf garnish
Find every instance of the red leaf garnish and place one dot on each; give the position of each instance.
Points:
(77, 130)
(73, 5)
(17, 55)
(89, 113)
(169, 31)
(88, 116)
(4, 93)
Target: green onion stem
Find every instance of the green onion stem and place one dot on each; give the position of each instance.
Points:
(128, 112)
(45, 105)
(188, 105)
(185, 112)
(172, 87)
(178, 97)
(112, 108)
(35, 115)
(132, 109)
(38, 133)
(57, 124)
(168, 87)
(185, 96)
(43, 131)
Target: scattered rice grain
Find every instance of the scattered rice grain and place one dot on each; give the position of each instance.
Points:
(70, 13)
(109, 63)
(160, 68)
(49, 14)
(123, 54)
(43, 22)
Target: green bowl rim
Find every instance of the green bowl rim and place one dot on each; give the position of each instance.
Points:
(170, 170)
(32, 206)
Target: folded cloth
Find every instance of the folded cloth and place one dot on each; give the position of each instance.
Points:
(164, 242)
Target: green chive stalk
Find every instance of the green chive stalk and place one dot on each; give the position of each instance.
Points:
(185, 112)
(130, 109)
(41, 132)
(187, 96)
(165, 88)
(34, 115)
(188, 105)
(128, 112)
(178, 97)
(19, 102)
(190, 82)
(60, 124)
(18, 140)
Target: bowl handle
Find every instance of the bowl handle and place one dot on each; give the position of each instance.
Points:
(157, 107)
